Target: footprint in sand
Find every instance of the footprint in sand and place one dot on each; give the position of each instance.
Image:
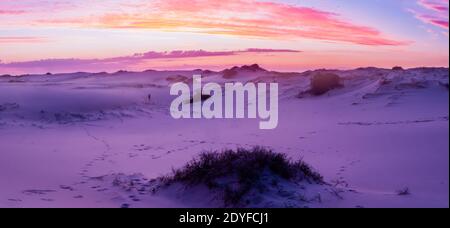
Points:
(132, 155)
(134, 198)
(125, 205)
(37, 192)
(64, 187)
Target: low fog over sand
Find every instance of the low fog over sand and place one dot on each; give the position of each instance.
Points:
(379, 138)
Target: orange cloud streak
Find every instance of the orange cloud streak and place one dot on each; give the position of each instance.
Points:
(250, 18)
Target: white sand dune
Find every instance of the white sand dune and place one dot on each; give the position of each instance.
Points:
(383, 131)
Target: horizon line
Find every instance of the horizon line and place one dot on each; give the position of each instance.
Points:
(218, 71)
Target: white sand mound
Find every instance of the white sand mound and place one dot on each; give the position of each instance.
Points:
(383, 132)
(243, 178)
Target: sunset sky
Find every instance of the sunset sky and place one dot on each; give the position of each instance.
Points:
(39, 36)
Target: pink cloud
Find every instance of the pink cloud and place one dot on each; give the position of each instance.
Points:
(265, 50)
(436, 14)
(11, 12)
(441, 23)
(117, 63)
(250, 18)
(436, 5)
(195, 53)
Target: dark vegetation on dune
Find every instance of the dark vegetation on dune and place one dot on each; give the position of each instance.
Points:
(321, 83)
(177, 78)
(233, 72)
(397, 68)
(404, 192)
(324, 82)
(234, 174)
(229, 73)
